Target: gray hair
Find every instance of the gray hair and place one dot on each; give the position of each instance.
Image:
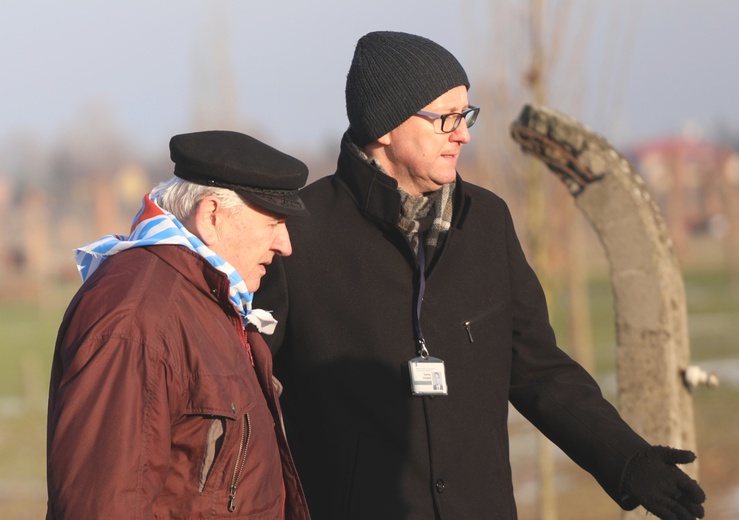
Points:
(181, 197)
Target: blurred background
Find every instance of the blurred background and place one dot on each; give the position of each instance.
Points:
(92, 92)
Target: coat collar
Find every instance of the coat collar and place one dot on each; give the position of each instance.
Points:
(376, 193)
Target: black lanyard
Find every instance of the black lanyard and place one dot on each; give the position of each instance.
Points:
(422, 350)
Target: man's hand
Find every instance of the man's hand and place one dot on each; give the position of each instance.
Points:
(653, 479)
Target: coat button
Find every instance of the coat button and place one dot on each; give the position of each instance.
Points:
(233, 407)
(440, 486)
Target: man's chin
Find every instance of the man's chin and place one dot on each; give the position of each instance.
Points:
(252, 284)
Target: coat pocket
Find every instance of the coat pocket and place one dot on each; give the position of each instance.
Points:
(478, 326)
(226, 395)
(213, 444)
(216, 405)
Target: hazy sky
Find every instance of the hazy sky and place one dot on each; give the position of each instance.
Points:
(62, 60)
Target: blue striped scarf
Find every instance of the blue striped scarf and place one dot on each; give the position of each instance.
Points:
(155, 226)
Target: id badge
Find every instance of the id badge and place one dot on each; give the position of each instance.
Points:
(427, 376)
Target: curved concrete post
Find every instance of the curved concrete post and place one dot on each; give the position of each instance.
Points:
(651, 316)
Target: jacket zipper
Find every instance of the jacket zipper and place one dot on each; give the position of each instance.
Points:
(240, 461)
(467, 327)
(468, 324)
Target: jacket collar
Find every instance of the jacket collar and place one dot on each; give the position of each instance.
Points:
(197, 271)
(376, 193)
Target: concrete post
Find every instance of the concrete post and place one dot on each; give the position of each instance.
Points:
(652, 351)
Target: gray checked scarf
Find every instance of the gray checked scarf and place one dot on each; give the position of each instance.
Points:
(429, 214)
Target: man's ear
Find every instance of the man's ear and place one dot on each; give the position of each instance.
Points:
(376, 149)
(203, 221)
(384, 139)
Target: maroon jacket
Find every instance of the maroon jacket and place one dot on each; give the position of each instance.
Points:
(158, 405)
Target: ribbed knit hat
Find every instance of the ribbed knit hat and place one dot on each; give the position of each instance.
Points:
(393, 75)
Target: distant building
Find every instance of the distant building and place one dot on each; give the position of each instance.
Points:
(695, 182)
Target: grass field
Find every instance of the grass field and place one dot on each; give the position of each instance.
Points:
(28, 331)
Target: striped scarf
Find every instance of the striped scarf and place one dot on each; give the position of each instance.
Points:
(154, 226)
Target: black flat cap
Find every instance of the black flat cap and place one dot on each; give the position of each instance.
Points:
(261, 174)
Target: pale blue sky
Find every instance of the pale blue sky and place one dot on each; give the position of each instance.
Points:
(290, 60)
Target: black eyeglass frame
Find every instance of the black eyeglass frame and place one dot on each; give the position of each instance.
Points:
(458, 119)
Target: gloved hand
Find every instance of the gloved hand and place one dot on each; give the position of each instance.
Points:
(664, 490)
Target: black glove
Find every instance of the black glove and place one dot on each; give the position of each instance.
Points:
(664, 490)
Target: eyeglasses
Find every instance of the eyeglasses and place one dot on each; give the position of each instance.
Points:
(450, 122)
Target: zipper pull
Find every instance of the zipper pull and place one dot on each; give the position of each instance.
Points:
(469, 331)
(232, 499)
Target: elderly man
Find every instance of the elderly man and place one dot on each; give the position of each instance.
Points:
(162, 402)
(404, 271)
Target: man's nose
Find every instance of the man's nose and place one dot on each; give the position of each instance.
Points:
(282, 245)
(461, 133)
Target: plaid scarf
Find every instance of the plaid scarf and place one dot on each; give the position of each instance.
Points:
(430, 214)
(155, 226)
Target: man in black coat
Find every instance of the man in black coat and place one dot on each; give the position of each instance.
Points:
(404, 270)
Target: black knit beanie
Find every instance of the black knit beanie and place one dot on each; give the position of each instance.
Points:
(393, 75)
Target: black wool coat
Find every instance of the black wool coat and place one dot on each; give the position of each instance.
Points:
(365, 447)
